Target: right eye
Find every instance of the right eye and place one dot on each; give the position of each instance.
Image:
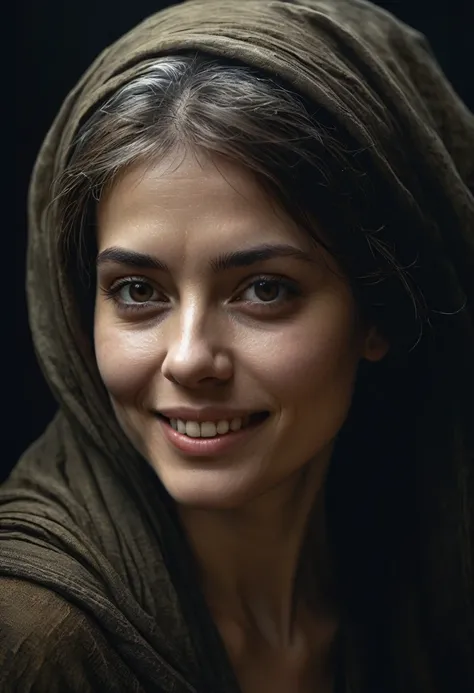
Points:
(130, 293)
(136, 292)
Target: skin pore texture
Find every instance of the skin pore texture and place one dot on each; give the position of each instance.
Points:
(197, 334)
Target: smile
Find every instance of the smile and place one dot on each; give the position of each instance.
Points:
(211, 429)
(210, 437)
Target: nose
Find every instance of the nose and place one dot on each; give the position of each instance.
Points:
(195, 356)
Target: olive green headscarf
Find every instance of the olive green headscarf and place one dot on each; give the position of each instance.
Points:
(82, 514)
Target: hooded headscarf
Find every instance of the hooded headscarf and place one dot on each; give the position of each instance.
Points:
(83, 517)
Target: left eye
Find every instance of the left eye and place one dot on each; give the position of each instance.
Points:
(266, 291)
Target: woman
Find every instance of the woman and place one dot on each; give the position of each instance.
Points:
(251, 286)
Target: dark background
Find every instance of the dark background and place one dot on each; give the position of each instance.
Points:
(56, 41)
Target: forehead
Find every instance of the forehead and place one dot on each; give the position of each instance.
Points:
(193, 200)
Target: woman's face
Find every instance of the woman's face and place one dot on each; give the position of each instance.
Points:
(213, 307)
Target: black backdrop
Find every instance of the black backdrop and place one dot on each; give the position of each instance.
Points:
(55, 43)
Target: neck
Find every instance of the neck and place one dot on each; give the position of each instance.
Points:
(263, 565)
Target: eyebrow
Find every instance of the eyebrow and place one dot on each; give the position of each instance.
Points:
(222, 262)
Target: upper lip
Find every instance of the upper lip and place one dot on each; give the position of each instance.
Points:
(206, 413)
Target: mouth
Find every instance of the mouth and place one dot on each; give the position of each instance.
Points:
(214, 429)
(211, 438)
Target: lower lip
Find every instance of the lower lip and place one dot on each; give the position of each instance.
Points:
(208, 446)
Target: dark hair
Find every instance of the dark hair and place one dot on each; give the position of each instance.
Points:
(399, 489)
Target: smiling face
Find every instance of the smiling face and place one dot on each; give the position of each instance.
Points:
(210, 297)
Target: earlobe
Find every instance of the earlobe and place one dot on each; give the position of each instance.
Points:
(376, 345)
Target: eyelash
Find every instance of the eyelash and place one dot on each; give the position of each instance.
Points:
(292, 289)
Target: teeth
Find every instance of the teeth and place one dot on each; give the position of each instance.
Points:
(208, 429)
(193, 429)
(222, 427)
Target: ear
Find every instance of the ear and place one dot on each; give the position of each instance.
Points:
(375, 346)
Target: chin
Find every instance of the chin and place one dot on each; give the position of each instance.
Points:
(207, 490)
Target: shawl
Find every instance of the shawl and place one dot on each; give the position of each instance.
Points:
(90, 547)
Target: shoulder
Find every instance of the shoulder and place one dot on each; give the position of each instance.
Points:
(48, 645)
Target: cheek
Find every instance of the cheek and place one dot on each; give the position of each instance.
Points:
(312, 362)
(126, 358)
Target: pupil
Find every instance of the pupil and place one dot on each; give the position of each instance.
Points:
(266, 290)
(140, 292)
